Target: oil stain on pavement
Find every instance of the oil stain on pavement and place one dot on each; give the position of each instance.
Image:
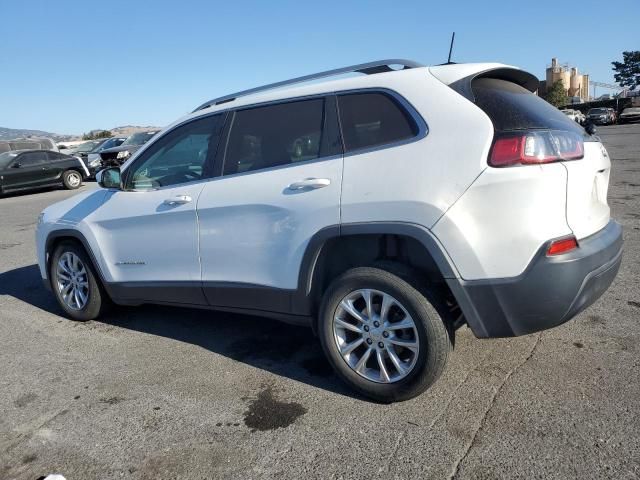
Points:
(268, 413)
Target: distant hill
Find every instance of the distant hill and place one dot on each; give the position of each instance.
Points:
(12, 133)
(127, 130)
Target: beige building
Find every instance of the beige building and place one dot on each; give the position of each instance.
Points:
(575, 85)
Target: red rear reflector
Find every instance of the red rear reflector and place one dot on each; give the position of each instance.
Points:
(562, 246)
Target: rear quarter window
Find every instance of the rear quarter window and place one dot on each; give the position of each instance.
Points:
(512, 107)
(373, 119)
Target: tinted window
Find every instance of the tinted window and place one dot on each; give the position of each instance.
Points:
(372, 119)
(177, 157)
(275, 135)
(512, 107)
(55, 156)
(7, 158)
(32, 158)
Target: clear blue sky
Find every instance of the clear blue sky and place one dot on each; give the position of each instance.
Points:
(70, 66)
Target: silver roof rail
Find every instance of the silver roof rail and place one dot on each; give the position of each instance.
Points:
(369, 68)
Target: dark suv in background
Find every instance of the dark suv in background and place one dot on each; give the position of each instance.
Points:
(93, 159)
(113, 157)
(600, 116)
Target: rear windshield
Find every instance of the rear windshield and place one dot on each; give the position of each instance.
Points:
(512, 107)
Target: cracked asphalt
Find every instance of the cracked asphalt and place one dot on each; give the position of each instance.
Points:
(157, 392)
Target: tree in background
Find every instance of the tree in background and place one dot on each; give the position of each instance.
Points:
(628, 71)
(557, 95)
(97, 135)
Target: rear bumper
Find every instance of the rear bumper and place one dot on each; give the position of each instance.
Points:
(551, 291)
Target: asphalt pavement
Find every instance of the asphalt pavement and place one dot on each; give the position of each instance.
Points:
(158, 392)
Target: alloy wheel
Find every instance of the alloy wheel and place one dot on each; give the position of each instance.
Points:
(74, 179)
(376, 336)
(72, 281)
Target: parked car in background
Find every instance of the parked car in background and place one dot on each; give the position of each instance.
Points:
(599, 116)
(575, 115)
(94, 161)
(83, 149)
(631, 114)
(118, 155)
(28, 144)
(26, 169)
(64, 147)
(344, 205)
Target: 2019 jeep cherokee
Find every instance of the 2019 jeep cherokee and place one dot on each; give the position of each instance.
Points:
(385, 211)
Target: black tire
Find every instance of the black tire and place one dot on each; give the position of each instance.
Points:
(433, 336)
(97, 301)
(72, 179)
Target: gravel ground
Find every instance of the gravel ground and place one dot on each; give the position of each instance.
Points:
(157, 392)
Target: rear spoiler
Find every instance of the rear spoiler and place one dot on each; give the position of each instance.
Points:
(462, 84)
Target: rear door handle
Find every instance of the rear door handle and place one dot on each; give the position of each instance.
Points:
(177, 200)
(310, 184)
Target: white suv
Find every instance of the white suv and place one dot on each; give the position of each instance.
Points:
(384, 210)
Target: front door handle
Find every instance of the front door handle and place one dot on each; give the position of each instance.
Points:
(310, 184)
(177, 200)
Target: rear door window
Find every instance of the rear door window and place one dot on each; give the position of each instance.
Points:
(371, 119)
(276, 135)
(512, 107)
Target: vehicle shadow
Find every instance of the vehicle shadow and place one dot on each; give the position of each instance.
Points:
(281, 349)
(31, 191)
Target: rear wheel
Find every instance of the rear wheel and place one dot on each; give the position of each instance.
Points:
(382, 336)
(71, 179)
(75, 283)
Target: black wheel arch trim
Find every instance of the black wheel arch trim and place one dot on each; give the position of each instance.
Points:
(75, 235)
(302, 301)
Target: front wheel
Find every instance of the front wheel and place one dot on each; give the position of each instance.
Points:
(71, 179)
(382, 336)
(75, 283)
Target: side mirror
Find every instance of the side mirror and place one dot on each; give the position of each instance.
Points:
(590, 128)
(109, 178)
(16, 165)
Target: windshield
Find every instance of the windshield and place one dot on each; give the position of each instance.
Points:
(86, 147)
(112, 142)
(139, 138)
(6, 158)
(597, 111)
(631, 110)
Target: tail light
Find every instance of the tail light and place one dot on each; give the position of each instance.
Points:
(562, 246)
(535, 147)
